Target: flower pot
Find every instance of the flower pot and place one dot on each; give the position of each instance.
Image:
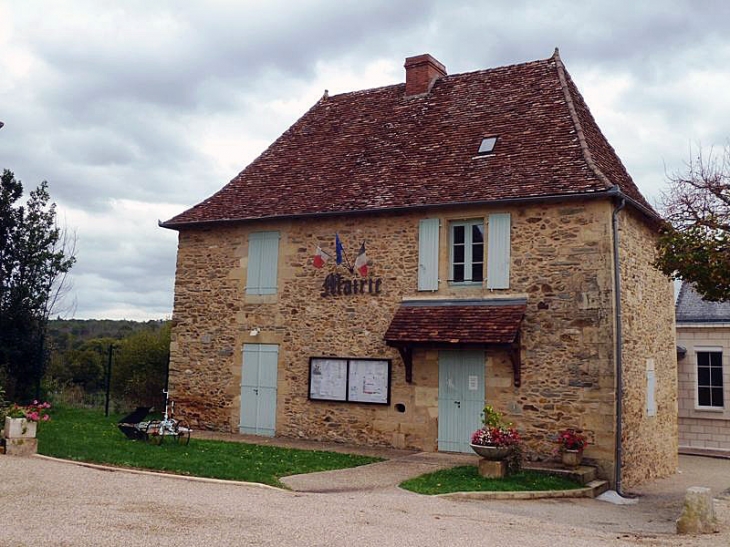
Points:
(493, 453)
(19, 428)
(572, 458)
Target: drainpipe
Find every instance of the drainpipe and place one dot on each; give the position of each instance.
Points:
(619, 344)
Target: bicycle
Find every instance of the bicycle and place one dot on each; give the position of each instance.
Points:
(157, 431)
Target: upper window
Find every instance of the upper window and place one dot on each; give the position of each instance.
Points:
(467, 251)
(709, 379)
(263, 259)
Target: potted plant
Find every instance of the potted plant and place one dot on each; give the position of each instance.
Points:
(22, 421)
(571, 444)
(496, 440)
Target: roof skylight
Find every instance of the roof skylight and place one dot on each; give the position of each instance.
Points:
(487, 145)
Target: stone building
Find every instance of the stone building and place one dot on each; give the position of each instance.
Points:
(402, 255)
(703, 337)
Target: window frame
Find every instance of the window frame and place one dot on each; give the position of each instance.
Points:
(468, 251)
(696, 374)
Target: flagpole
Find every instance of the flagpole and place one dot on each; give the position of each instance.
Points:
(344, 254)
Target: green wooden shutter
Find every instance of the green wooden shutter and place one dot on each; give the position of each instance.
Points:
(263, 259)
(498, 252)
(428, 254)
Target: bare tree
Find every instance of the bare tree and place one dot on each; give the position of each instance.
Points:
(695, 243)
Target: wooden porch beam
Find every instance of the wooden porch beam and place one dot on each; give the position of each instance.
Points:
(515, 355)
(406, 353)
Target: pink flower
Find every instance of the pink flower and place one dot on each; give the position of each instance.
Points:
(46, 417)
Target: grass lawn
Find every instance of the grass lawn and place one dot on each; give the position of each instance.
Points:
(89, 436)
(467, 479)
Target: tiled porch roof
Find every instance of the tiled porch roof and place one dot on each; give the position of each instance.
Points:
(456, 322)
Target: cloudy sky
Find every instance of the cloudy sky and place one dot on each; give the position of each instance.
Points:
(134, 111)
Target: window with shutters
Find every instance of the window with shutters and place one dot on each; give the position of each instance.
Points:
(263, 258)
(709, 379)
(468, 249)
(467, 252)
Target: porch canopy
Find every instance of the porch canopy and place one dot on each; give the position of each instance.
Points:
(457, 323)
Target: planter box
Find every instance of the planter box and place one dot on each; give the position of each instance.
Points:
(19, 428)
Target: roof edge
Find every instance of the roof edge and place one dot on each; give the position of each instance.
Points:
(486, 302)
(576, 121)
(610, 192)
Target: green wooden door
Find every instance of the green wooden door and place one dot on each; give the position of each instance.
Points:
(461, 398)
(258, 389)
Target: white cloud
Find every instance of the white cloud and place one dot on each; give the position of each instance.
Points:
(136, 111)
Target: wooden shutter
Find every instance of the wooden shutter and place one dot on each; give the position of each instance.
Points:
(650, 388)
(263, 259)
(428, 254)
(498, 251)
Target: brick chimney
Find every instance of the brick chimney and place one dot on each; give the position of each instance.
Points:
(421, 73)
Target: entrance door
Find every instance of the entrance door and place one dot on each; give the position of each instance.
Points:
(258, 389)
(461, 398)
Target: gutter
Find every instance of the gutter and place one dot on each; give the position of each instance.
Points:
(621, 203)
(553, 198)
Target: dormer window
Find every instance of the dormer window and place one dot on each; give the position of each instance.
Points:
(487, 145)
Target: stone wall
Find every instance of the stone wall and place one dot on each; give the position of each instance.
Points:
(702, 428)
(647, 307)
(561, 262)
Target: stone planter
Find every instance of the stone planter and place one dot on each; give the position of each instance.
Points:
(572, 458)
(20, 428)
(492, 453)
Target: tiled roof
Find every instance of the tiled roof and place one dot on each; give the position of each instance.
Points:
(692, 308)
(378, 149)
(456, 322)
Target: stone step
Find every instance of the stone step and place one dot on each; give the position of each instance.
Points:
(598, 487)
(582, 474)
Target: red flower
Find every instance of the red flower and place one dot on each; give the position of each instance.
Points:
(570, 439)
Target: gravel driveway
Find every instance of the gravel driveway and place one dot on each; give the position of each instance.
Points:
(61, 504)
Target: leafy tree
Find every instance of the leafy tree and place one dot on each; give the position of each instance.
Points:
(140, 367)
(35, 255)
(695, 242)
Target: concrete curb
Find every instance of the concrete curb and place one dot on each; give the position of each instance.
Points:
(531, 495)
(133, 471)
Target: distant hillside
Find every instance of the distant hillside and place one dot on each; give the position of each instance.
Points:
(65, 334)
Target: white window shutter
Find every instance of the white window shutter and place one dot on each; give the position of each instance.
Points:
(650, 388)
(428, 254)
(263, 259)
(498, 251)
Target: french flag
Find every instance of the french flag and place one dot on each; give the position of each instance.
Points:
(361, 262)
(320, 258)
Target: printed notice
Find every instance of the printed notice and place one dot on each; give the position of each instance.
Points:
(473, 383)
(328, 379)
(369, 381)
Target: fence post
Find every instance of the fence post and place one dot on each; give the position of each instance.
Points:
(108, 379)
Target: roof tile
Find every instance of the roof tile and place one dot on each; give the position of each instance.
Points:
(692, 308)
(378, 149)
(490, 323)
